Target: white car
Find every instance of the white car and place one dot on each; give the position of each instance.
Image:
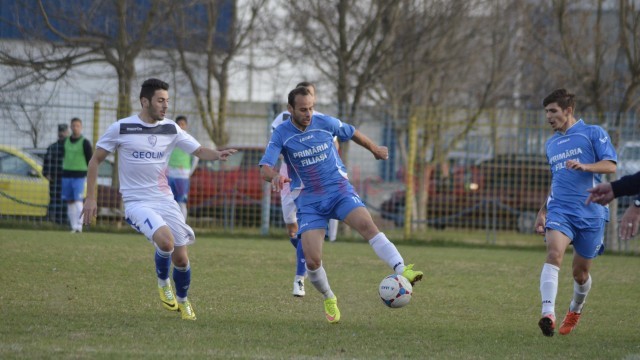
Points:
(628, 158)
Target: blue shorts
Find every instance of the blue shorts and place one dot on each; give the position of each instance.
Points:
(73, 189)
(587, 235)
(336, 206)
(180, 189)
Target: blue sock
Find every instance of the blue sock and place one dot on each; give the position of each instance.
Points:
(163, 263)
(182, 278)
(294, 241)
(301, 268)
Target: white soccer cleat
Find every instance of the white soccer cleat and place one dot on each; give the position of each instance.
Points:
(298, 288)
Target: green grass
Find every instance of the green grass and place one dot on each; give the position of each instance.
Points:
(93, 295)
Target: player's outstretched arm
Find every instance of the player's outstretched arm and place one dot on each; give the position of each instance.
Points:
(600, 194)
(379, 152)
(210, 154)
(90, 208)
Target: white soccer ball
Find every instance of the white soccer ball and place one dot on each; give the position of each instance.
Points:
(395, 291)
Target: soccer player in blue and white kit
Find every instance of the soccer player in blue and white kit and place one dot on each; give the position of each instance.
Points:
(289, 207)
(144, 143)
(322, 190)
(578, 154)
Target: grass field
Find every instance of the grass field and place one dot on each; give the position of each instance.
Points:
(93, 295)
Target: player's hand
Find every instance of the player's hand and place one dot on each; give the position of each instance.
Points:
(224, 154)
(629, 223)
(539, 225)
(89, 211)
(600, 194)
(278, 181)
(576, 165)
(381, 153)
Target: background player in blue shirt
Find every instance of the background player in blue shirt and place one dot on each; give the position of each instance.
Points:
(321, 189)
(577, 153)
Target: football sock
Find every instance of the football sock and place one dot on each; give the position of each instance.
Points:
(182, 279)
(549, 288)
(387, 252)
(301, 267)
(72, 214)
(298, 278)
(78, 219)
(580, 293)
(294, 241)
(163, 263)
(318, 278)
(333, 229)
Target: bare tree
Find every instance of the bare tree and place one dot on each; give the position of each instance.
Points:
(205, 55)
(23, 108)
(58, 40)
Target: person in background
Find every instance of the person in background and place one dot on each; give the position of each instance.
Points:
(52, 170)
(77, 153)
(181, 166)
(578, 154)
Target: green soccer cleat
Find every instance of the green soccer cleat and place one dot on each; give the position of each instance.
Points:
(412, 275)
(186, 310)
(331, 311)
(168, 299)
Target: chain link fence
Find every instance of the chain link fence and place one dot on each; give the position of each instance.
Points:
(477, 172)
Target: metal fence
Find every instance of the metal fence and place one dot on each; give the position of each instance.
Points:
(474, 170)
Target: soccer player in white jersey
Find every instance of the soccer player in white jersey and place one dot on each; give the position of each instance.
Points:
(577, 153)
(321, 189)
(289, 207)
(144, 143)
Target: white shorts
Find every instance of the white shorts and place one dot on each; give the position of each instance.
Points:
(147, 217)
(288, 206)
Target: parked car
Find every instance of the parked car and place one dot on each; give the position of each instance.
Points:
(109, 199)
(628, 158)
(233, 187)
(510, 190)
(24, 191)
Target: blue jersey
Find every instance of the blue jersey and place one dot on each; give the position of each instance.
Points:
(315, 168)
(587, 144)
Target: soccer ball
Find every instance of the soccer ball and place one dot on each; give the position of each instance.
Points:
(395, 291)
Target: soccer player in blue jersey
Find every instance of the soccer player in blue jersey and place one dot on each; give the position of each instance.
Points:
(578, 154)
(289, 208)
(144, 143)
(321, 189)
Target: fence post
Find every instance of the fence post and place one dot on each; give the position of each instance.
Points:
(409, 175)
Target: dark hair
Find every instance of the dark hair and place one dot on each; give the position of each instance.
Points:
(150, 86)
(75, 119)
(181, 118)
(306, 84)
(301, 90)
(563, 98)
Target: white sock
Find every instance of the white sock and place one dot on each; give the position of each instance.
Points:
(181, 299)
(298, 278)
(72, 215)
(387, 252)
(78, 205)
(163, 282)
(183, 208)
(580, 293)
(318, 278)
(333, 229)
(549, 288)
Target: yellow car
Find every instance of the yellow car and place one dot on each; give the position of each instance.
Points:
(24, 191)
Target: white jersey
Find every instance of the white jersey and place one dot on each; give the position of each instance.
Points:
(143, 155)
